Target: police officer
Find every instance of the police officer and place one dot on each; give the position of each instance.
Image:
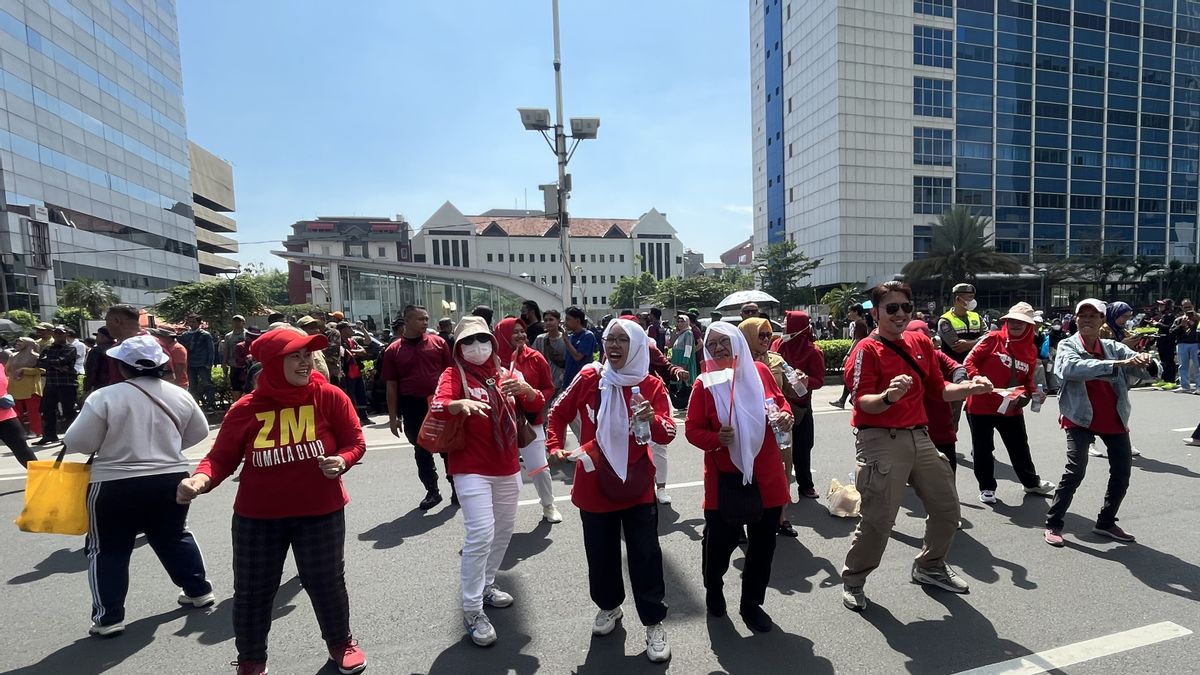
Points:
(960, 328)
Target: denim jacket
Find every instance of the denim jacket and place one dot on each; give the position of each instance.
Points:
(1074, 366)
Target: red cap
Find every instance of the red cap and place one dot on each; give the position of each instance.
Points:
(917, 326)
(281, 342)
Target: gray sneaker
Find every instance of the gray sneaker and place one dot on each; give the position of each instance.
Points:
(942, 576)
(854, 598)
(1045, 488)
(479, 628)
(494, 597)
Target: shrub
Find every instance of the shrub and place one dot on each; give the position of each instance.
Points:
(835, 352)
(22, 317)
(73, 317)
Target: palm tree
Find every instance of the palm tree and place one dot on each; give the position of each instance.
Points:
(962, 249)
(95, 296)
(839, 299)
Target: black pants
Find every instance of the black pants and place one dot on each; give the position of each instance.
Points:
(260, 546)
(356, 389)
(12, 434)
(719, 541)
(52, 398)
(1119, 461)
(1016, 441)
(117, 511)
(845, 394)
(802, 445)
(412, 411)
(1166, 354)
(602, 544)
(951, 454)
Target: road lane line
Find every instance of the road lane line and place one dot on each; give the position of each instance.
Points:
(1185, 429)
(1069, 655)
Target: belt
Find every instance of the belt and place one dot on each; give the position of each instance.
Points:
(916, 428)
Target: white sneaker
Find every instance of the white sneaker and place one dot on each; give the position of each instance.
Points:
(606, 621)
(1191, 441)
(494, 597)
(1043, 488)
(200, 601)
(661, 495)
(1134, 451)
(657, 649)
(1095, 451)
(550, 514)
(479, 628)
(107, 631)
(987, 496)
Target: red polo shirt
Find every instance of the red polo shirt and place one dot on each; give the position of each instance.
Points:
(415, 364)
(871, 367)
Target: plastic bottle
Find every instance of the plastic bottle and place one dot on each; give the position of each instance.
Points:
(1036, 404)
(640, 429)
(793, 378)
(782, 438)
(850, 478)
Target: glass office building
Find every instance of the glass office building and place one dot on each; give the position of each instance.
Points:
(93, 151)
(1075, 124)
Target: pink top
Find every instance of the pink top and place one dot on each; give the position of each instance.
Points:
(7, 413)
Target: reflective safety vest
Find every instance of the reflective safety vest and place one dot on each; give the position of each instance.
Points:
(969, 329)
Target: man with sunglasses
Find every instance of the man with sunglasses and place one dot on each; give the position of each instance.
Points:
(890, 374)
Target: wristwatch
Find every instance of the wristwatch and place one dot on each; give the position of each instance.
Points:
(887, 401)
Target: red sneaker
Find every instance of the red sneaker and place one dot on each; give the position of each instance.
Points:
(348, 657)
(1054, 537)
(250, 667)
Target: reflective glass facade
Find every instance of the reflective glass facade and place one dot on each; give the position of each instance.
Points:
(93, 132)
(1076, 124)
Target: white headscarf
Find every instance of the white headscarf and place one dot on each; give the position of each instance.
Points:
(612, 421)
(750, 417)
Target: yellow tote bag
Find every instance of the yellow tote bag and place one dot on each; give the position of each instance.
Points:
(56, 497)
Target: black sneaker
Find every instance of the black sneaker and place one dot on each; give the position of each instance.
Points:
(432, 499)
(756, 619)
(838, 404)
(786, 529)
(46, 441)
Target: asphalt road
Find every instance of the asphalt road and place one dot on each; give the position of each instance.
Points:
(402, 570)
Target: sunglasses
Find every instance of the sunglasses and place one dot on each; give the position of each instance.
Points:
(895, 307)
(471, 339)
(764, 336)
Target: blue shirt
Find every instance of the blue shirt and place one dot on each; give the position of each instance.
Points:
(584, 342)
(202, 351)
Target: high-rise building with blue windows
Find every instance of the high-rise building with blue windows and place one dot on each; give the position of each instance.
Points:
(93, 151)
(1074, 124)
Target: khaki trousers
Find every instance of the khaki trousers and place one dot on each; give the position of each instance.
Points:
(887, 461)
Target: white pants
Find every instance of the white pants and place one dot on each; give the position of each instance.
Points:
(489, 510)
(658, 453)
(541, 481)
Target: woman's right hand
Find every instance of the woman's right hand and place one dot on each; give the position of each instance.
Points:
(725, 435)
(469, 407)
(191, 487)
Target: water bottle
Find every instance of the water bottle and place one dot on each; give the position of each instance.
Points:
(1036, 404)
(782, 438)
(850, 478)
(793, 379)
(639, 429)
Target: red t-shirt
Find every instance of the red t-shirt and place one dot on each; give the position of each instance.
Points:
(278, 447)
(582, 398)
(480, 455)
(941, 415)
(990, 358)
(870, 368)
(536, 370)
(703, 429)
(416, 364)
(1105, 419)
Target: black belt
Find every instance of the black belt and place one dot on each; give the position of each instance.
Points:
(916, 428)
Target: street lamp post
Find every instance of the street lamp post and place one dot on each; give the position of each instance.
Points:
(582, 128)
(1042, 289)
(232, 272)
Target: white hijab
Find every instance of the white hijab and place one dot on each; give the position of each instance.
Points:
(612, 421)
(749, 413)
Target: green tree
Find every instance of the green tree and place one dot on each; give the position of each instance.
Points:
(21, 317)
(211, 300)
(784, 270)
(633, 292)
(962, 249)
(738, 280)
(273, 283)
(840, 298)
(95, 295)
(697, 291)
(73, 317)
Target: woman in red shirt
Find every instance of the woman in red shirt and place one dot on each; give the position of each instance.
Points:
(940, 414)
(294, 436)
(727, 419)
(798, 350)
(1007, 355)
(528, 364)
(487, 472)
(614, 478)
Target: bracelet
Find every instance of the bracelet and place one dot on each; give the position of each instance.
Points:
(887, 402)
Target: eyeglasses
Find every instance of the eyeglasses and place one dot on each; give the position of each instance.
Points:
(895, 307)
(623, 340)
(471, 339)
(722, 343)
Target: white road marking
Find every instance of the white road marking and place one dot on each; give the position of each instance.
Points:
(1069, 655)
(1185, 429)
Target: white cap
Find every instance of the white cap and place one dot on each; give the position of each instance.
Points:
(139, 351)
(1095, 304)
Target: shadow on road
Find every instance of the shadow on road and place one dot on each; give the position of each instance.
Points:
(504, 656)
(961, 639)
(668, 522)
(813, 514)
(1145, 463)
(773, 652)
(793, 568)
(62, 561)
(412, 524)
(1158, 570)
(525, 545)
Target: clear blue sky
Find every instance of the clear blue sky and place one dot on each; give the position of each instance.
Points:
(379, 107)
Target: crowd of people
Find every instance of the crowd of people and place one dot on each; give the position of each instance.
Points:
(515, 387)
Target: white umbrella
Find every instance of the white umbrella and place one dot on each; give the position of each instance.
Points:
(742, 297)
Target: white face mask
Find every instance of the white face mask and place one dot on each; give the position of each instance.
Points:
(477, 352)
(971, 305)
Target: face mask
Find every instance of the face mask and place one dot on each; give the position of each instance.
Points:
(971, 305)
(1057, 326)
(477, 352)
